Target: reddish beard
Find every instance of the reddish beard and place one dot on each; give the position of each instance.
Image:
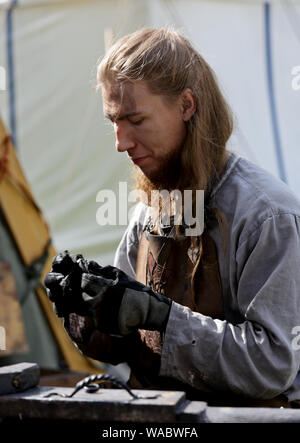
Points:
(165, 177)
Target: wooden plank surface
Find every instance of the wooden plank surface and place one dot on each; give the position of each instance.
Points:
(106, 405)
(116, 406)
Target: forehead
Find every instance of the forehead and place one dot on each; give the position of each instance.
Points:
(117, 96)
(127, 98)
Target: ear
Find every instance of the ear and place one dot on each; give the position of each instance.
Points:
(188, 104)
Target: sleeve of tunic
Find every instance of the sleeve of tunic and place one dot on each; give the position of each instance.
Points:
(126, 253)
(257, 357)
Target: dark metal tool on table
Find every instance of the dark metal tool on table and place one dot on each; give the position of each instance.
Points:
(18, 378)
(91, 387)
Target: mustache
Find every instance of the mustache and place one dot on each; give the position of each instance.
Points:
(166, 176)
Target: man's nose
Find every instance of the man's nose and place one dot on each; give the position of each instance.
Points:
(124, 138)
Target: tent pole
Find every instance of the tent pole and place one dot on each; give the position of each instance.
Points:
(10, 68)
(271, 93)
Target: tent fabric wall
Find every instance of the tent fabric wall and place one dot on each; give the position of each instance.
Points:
(63, 143)
(232, 38)
(66, 148)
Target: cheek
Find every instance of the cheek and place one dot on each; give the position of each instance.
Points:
(147, 137)
(174, 134)
(161, 137)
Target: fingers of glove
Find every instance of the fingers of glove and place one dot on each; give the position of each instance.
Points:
(55, 292)
(64, 292)
(53, 284)
(115, 276)
(72, 299)
(65, 263)
(62, 263)
(104, 301)
(94, 285)
(107, 272)
(122, 279)
(94, 268)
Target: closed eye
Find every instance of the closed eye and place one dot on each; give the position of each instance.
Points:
(137, 122)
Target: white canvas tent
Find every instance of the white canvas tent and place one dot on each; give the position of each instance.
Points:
(49, 51)
(66, 148)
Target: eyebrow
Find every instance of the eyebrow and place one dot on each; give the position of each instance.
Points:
(113, 117)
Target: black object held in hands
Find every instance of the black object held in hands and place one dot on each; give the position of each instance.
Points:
(64, 284)
(118, 303)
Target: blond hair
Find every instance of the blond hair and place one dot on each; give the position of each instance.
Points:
(168, 62)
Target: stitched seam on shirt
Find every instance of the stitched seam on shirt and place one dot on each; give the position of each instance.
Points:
(265, 220)
(226, 175)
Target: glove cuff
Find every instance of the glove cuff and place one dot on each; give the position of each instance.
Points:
(147, 310)
(158, 313)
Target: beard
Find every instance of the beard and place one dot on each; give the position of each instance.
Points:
(165, 177)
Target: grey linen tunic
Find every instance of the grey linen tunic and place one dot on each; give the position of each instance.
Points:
(256, 350)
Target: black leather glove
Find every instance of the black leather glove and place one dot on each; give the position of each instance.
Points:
(63, 284)
(118, 303)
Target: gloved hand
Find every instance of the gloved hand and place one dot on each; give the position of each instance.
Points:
(94, 343)
(63, 284)
(119, 304)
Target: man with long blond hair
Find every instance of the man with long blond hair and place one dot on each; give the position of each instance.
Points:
(213, 313)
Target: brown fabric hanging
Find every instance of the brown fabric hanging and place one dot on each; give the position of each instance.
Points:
(13, 339)
(31, 235)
